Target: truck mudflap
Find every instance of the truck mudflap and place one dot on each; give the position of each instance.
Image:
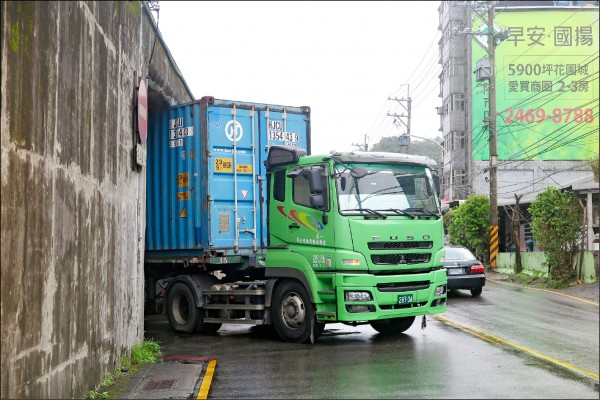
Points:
(367, 297)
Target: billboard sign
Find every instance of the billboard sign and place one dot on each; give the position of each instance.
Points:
(546, 86)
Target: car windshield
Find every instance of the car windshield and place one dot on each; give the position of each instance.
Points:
(458, 253)
(387, 190)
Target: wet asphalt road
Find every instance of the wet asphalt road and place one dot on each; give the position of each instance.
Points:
(509, 343)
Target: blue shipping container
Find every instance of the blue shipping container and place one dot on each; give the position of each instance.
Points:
(206, 178)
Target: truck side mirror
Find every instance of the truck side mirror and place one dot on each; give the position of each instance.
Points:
(343, 183)
(317, 201)
(358, 172)
(315, 182)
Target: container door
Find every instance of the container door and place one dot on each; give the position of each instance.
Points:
(173, 179)
(233, 184)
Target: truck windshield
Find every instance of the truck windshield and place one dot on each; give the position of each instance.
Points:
(387, 190)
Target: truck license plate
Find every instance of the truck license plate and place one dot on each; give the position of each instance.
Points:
(405, 299)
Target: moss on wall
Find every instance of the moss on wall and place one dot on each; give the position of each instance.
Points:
(135, 7)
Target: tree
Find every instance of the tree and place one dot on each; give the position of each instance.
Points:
(388, 143)
(555, 221)
(418, 147)
(469, 225)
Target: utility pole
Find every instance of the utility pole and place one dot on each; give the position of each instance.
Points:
(493, 134)
(364, 146)
(488, 72)
(406, 104)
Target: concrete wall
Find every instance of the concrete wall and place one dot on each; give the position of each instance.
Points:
(73, 208)
(533, 262)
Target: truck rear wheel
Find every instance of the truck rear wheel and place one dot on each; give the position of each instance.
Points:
(293, 313)
(391, 326)
(183, 313)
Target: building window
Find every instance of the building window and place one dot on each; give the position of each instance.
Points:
(457, 66)
(458, 177)
(458, 102)
(458, 140)
(459, 24)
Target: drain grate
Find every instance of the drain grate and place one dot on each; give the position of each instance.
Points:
(159, 385)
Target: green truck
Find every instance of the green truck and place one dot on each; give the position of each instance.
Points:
(273, 235)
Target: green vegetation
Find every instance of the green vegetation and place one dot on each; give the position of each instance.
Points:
(469, 225)
(556, 218)
(141, 353)
(148, 352)
(15, 38)
(96, 395)
(535, 279)
(135, 7)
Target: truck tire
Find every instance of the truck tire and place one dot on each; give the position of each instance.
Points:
(319, 328)
(293, 312)
(184, 316)
(392, 326)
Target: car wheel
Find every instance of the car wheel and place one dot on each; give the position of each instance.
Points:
(476, 292)
(293, 313)
(392, 326)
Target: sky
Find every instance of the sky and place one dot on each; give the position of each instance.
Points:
(343, 59)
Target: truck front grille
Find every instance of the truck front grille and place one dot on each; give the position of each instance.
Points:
(395, 259)
(399, 245)
(403, 286)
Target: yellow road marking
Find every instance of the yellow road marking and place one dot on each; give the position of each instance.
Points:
(509, 345)
(205, 387)
(545, 290)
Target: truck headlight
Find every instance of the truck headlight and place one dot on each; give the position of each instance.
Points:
(440, 290)
(357, 296)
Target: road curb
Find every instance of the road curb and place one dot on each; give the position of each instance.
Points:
(503, 282)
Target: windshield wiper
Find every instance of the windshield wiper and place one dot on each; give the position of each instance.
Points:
(400, 212)
(421, 210)
(373, 213)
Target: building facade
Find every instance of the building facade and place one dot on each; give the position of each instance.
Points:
(546, 94)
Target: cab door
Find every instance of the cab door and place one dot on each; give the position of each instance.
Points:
(299, 217)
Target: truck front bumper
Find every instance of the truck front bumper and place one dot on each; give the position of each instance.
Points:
(391, 296)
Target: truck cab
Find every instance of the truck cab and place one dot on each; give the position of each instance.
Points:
(361, 236)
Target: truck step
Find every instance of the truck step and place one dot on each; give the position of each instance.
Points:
(234, 292)
(235, 321)
(232, 306)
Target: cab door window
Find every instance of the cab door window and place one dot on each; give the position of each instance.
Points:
(279, 185)
(310, 188)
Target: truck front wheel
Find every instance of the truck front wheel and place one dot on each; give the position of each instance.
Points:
(184, 316)
(391, 326)
(294, 313)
